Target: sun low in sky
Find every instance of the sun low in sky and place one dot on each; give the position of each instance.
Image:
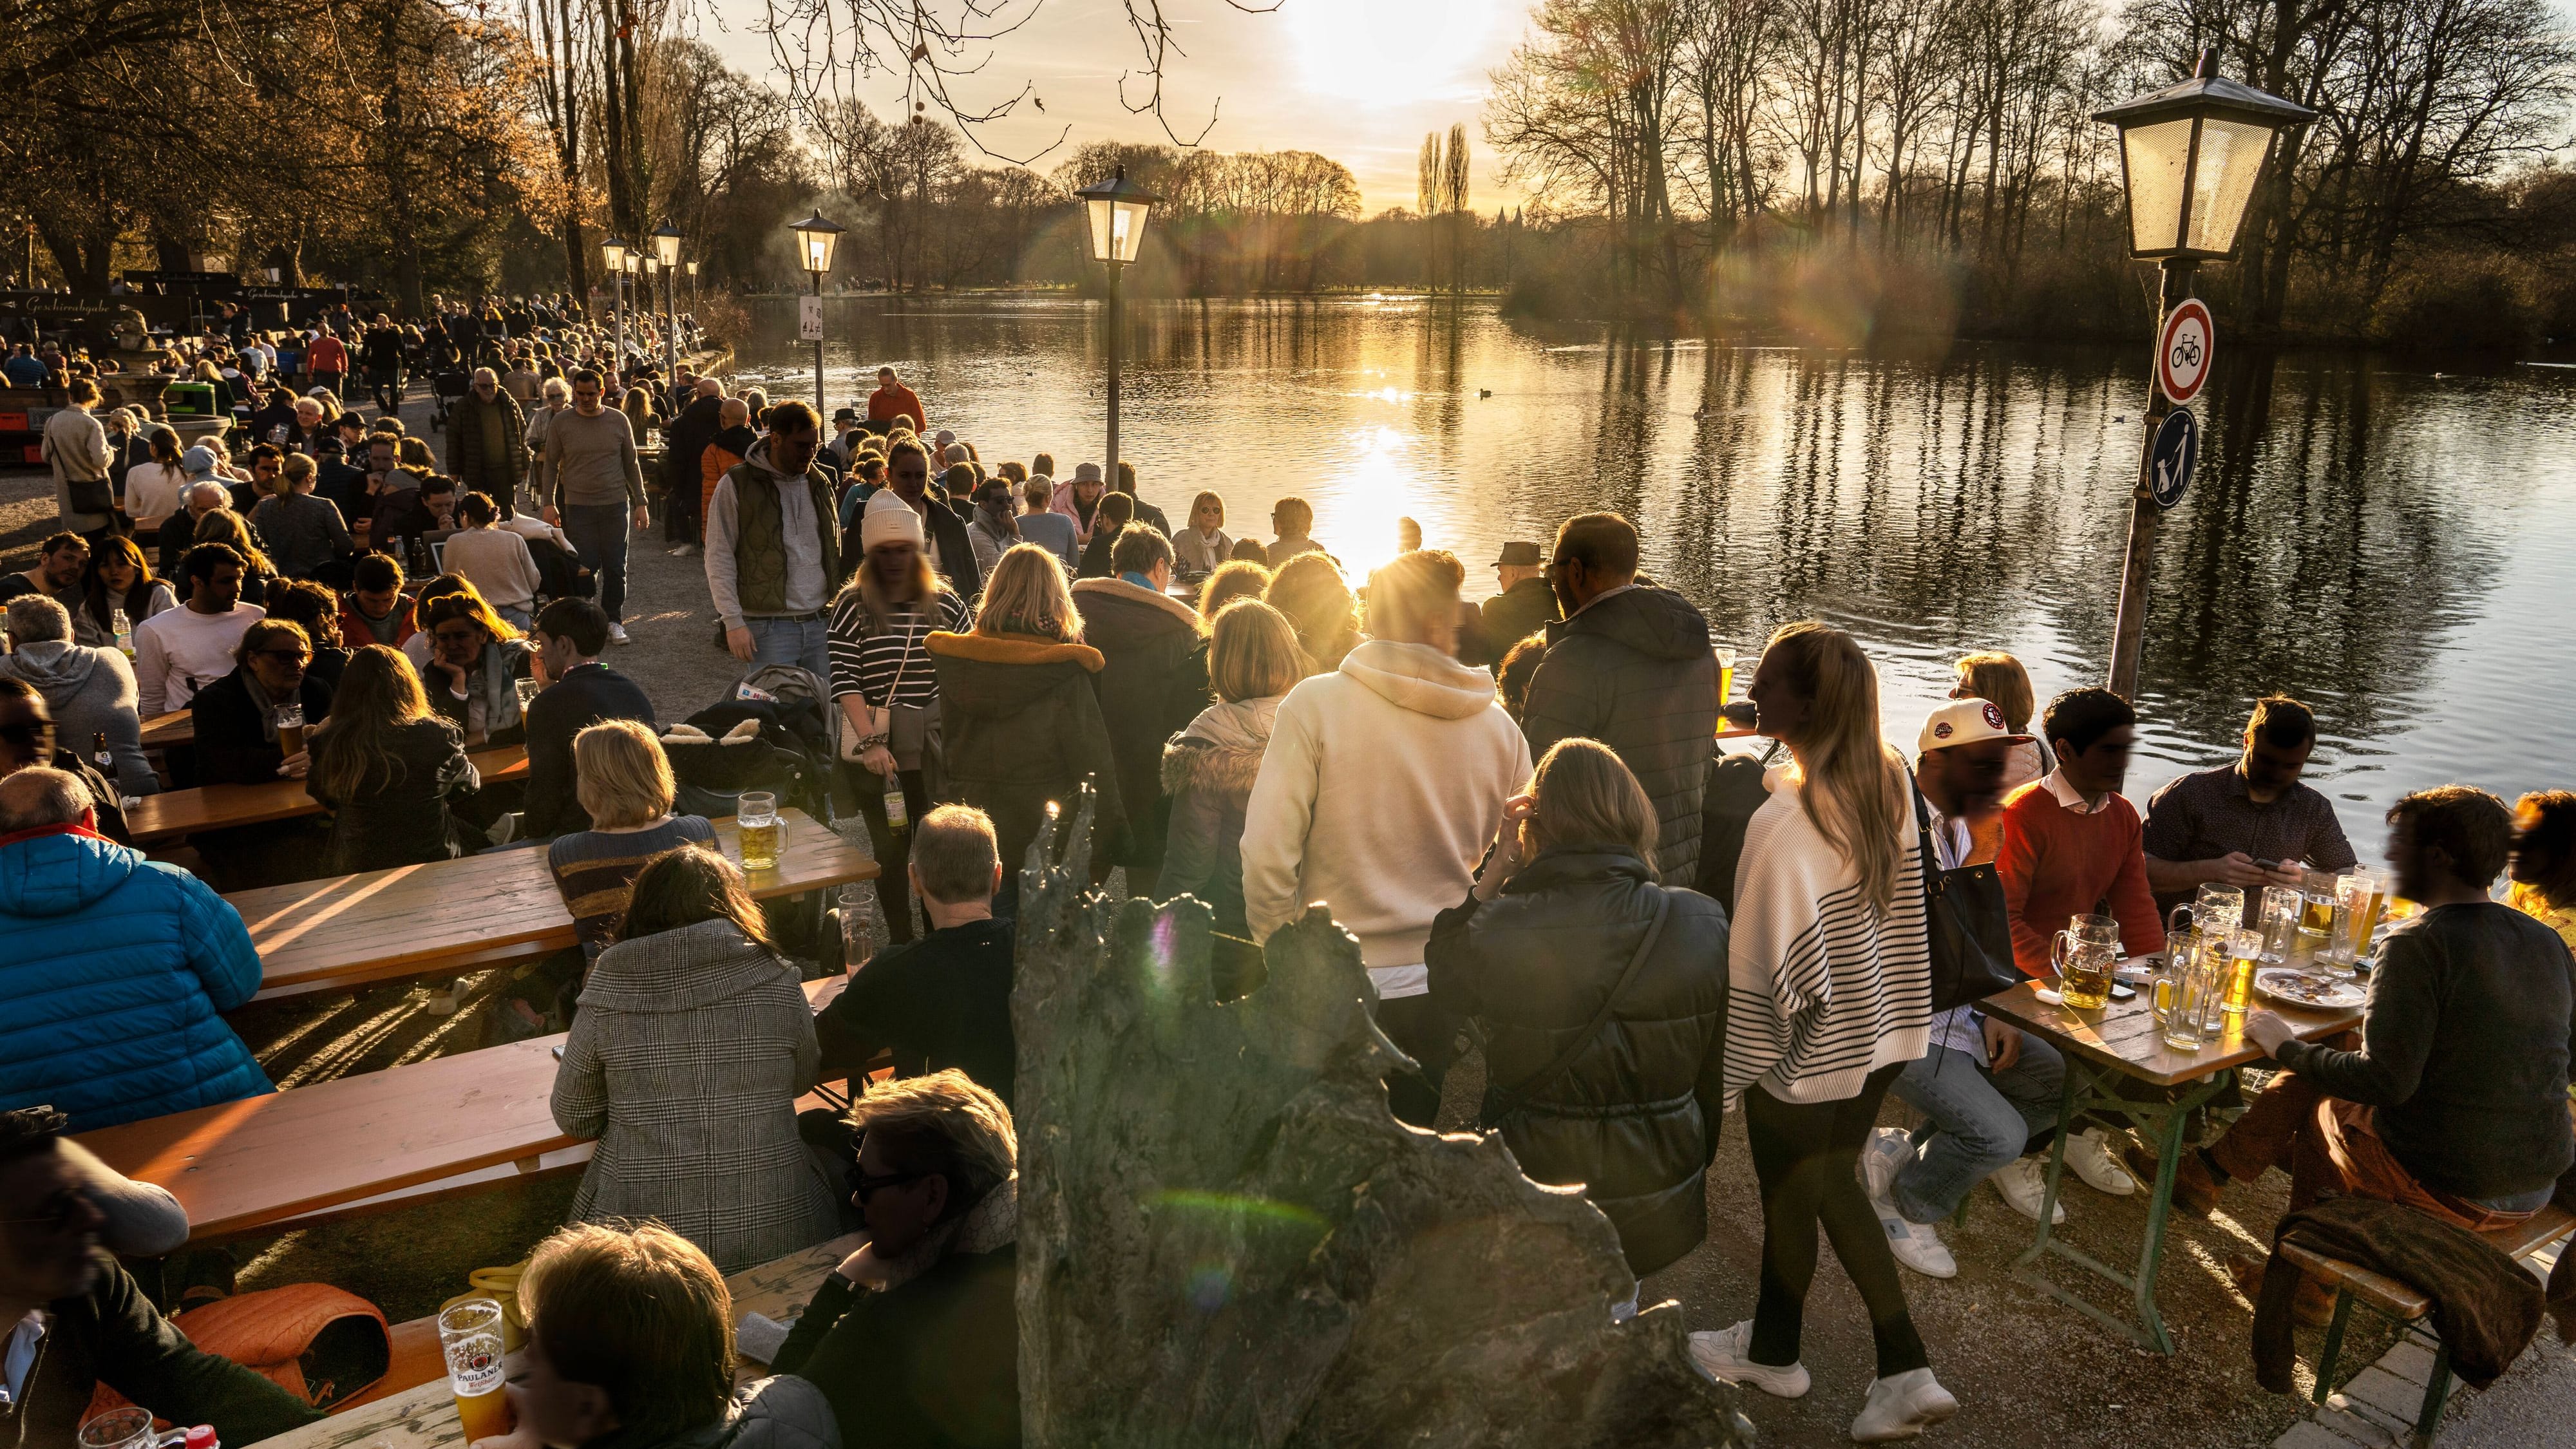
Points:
(1357, 80)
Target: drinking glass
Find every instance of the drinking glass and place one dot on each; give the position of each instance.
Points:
(2316, 911)
(2244, 952)
(2085, 977)
(290, 727)
(2187, 1001)
(2083, 931)
(2282, 906)
(1725, 674)
(853, 902)
(469, 1333)
(2364, 894)
(527, 691)
(126, 1428)
(2219, 906)
(757, 816)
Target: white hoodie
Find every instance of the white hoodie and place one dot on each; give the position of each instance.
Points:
(1381, 789)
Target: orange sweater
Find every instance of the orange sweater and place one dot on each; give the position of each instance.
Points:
(2056, 864)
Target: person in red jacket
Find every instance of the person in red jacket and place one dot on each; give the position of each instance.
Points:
(2072, 845)
(893, 400)
(327, 362)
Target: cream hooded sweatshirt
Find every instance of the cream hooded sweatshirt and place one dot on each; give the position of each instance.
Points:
(1382, 787)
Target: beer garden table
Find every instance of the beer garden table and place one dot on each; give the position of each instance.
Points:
(2123, 1041)
(154, 819)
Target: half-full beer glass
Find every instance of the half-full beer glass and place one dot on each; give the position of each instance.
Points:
(470, 1334)
(757, 816)
(2084, 978)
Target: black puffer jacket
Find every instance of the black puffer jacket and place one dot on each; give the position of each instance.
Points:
(1019, 724)
(1154, 682)
(1634, 672)
(1635, 1118)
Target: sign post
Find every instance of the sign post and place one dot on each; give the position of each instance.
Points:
(2184, 337)
(809, 318)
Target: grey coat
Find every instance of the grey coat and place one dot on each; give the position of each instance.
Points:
(89, 692)
(685, 1061)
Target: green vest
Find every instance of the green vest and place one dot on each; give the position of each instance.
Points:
(759, 551)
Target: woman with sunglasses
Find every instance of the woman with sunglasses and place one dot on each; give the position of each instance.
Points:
(691, 1044)
(246, 736)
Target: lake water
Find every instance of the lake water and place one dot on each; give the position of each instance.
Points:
(2393, 542)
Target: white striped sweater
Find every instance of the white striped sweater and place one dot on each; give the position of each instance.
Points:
(1821, 990)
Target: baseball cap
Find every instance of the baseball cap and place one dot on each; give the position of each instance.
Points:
(1965, 722)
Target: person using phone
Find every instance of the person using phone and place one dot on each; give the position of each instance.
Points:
(2249, 823)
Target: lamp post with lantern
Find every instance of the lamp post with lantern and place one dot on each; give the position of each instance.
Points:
(816, 235)
(1116, 209)
(612, 256)
(634, 290)
(693, 285)
(2191, 158)
(666, 250)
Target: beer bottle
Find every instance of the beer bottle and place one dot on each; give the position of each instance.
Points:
(99, 755)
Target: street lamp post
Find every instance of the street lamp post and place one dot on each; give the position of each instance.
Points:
(635, 308)
(693, 286)
(816, 235)
(1117, 209)
(2191, 157)
(612, 255)
(666, 249)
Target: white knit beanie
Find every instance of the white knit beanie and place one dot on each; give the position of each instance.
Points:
(888, 519)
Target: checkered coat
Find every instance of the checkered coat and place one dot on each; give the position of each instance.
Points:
(685, 1061)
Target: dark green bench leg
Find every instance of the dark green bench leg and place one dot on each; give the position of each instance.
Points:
(2333, 1349)
(2436, 1395)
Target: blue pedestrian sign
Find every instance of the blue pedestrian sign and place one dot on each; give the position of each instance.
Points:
(2176, 453)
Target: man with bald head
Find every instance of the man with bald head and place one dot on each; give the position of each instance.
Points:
(487, 439)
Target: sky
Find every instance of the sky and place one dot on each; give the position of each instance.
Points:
(1357, 80)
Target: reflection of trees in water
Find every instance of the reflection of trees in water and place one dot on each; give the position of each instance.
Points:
(2325, 551)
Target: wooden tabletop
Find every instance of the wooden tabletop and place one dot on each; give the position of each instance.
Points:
(174, 813)
(477, 911)
(298, 1153)
(2123, 1035)
(163, 731)
(425, 1417)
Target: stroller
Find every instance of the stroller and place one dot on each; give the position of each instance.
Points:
(790, 755)
(444, 390)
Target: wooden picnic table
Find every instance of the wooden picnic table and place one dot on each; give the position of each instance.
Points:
(467, 914)
(168, 731)
(2122, 1044)
(423, 1416)
(153, 819)
(352, 1141)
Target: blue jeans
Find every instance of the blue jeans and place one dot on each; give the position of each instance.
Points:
(791, 641)
(1980, 1120)
(598, 534)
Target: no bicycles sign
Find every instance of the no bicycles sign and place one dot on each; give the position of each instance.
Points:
(2182, 353)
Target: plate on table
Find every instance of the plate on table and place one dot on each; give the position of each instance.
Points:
(2307, 989)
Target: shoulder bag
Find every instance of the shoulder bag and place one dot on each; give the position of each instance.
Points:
(1963, 912)
(1499, 1108)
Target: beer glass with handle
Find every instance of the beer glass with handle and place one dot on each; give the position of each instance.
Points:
(756, 814)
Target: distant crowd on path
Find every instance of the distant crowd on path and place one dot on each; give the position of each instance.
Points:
(1648, 932)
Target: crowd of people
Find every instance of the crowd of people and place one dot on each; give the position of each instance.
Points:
(1519, 809)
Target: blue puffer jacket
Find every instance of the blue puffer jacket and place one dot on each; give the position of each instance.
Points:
(115, 971)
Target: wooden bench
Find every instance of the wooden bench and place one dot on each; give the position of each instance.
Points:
(429, 1129)
(2402, 1303)
(168, 816)
(471, 913)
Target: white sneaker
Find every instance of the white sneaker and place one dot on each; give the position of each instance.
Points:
(1720, 1354)
(1902, 1407)
(1915, 1245)
(2022, 1183)
(617, 634)
(686, 550)
(445, 998)
(1882, 1157)
(2090, 1156)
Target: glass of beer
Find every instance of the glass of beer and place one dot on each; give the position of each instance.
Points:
(853, 903)
(126, 1428)
(2364, 894)
(527, 692)
(1725, 675)
(2084, 977)
(2316, 912)
(2083, 931)
(2282, 907)
(762, 831)
(470, 1335)
(2245, 950)
(2220, 907)
(290, 727)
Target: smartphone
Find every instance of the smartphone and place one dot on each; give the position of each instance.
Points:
(558, 1051)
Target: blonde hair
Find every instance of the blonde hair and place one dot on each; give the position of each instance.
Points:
(621, 777)
(1234, 579)
(1202, 501)
(1851, 785)
(1253, 653)
(1999, 679)
(942, 1123)
(1310, 591)
(1027, 594)
(1586, 795)
(293, 470)
(1416, 593)
(639, 1312)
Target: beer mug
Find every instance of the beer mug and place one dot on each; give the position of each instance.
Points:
(526, 689)
(2316, 911)
(469, 1333)
(2219, 906)
(756, 814)
(2282, 907)
(125, 1428)
(2081, 931)
(852, 901)
(2187, 997)
(2084, 978)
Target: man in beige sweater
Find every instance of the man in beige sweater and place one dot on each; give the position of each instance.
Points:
(591, 484)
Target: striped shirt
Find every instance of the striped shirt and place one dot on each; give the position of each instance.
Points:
(596, 870)
(1823, 991)
(891, 666)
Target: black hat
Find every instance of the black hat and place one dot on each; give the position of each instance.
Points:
(1518, 555)
(846, 415)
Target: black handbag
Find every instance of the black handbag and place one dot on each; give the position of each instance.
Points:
(1970, 932)
(83, 495)
(1503, 1105)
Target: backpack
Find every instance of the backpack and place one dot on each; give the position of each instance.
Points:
(1733, 792)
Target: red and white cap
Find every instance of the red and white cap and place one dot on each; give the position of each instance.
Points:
(1965, 722)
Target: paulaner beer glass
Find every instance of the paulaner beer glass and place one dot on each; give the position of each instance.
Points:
(470, 1333)
(757, 816)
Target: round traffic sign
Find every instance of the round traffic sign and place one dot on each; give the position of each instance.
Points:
(2182, 352)
(2175, 454)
